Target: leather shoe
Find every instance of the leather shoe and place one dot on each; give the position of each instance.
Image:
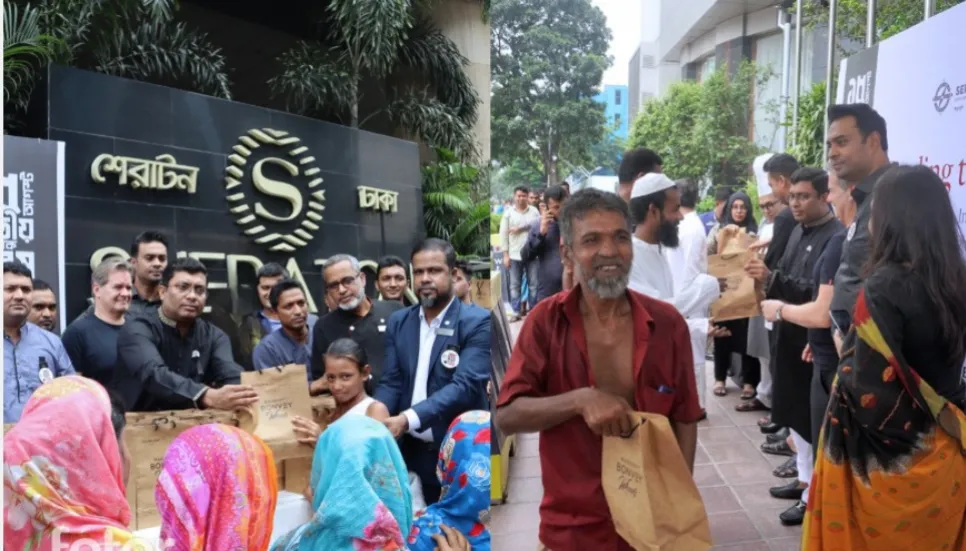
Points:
(779, 436)
(769, 428)
(792, 490)
(794, 515)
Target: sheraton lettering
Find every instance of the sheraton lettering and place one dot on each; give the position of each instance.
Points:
(162, 173)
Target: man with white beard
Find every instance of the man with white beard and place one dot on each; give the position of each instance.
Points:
(356, 316)
(655, 209)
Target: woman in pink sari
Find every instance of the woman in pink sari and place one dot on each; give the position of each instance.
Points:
(217, 491)
(63, 475)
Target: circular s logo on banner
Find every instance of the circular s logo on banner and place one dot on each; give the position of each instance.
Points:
(944, 94)
(272, 184)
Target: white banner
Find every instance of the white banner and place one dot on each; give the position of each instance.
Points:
(917, 81)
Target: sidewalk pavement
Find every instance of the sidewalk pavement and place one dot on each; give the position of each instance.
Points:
(732, 475)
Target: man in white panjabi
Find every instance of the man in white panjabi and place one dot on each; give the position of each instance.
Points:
(655, 209)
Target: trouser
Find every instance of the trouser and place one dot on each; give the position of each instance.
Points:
(517, 270)
(724, 347)
(764, 386)
(803, 460)
(421, 458)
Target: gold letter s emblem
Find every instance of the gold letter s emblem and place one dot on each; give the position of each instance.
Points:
(276, 188)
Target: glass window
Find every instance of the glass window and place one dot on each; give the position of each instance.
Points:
(617, 97)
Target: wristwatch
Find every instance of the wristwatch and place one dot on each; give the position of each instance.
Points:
(778, 313)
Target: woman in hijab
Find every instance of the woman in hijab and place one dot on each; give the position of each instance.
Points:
(361, 496)
(63, 472)
(464, 473)
(217, 491)
(738, 212)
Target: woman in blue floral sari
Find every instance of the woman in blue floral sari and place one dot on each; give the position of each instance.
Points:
(464, 473)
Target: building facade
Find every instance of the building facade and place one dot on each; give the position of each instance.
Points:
(614, 98)
(691, 44)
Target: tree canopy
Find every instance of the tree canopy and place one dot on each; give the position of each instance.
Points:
(547, 62)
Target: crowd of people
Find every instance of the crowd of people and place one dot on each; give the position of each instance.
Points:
(406, 450)
(857, 356)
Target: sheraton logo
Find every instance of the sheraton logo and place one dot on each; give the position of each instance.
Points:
(272, 185)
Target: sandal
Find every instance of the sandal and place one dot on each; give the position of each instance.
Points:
(720, 389)
(751, 405)
(748, 394)
(787, 469)
(764, 421)
(777, 448)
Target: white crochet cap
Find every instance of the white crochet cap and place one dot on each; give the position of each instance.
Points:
(650, 183)
(760, 175)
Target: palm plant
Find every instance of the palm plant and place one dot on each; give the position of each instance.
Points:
(449, 209)
(137, 39)
(25, 50)
(429, 96)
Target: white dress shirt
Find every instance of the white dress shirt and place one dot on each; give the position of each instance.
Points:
(427, 337)
(690, 257)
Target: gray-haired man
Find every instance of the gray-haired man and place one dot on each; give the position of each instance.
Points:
(91, 341)
(355, 316)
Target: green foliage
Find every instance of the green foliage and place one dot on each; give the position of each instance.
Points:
(607, 153)
(548, 59)
(449, 211)
(701, 129)
(429, 95)
(810, 134)
(519, 172)
(892, 17)
(495, 220)
(25, 49)
(136, 39)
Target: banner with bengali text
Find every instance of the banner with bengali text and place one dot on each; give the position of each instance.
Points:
(33, 209)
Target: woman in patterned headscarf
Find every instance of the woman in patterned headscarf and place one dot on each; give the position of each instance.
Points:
(464, 473)
(361, 497)
(217, 491)
(63, 475)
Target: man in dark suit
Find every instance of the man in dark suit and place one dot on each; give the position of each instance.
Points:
(437, 362)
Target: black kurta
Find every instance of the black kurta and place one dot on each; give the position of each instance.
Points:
(158, 369)
(793, 283)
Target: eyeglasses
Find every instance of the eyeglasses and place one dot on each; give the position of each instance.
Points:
(186, 288)
(767, 205)
(346, 282)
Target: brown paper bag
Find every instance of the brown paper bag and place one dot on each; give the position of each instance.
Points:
(651, 494)
(282, 393)
(740, 299)
(294, 473)
(148, 436)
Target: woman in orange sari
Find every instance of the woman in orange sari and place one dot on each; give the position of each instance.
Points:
(63, 472)
(891, 468)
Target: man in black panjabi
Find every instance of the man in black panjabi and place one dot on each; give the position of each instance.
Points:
(355, 316)
(170, 358)
(793, 282)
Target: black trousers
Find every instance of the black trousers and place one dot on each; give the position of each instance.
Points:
(421, 458)
(737, 343)
(822, 376)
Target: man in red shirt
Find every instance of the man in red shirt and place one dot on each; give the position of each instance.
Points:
(581, 359)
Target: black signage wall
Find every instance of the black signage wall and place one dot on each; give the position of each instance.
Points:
(231, 184)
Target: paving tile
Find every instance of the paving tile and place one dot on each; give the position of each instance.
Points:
(748, 472)
(511, 518)
(767, 523)
(714, 435)
(525, 490)
(701, 457)
(525, 466)
(793, 543)
(528, 446)
(728, 528)
(760, 545)
(731, 452)
(756, 496)
(719, 499)
(520, 541)
(707, 475)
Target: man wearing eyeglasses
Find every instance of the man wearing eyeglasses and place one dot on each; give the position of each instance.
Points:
(171, 359)
(355, 316)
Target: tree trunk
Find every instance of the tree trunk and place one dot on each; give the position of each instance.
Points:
(354, 109)
(550, 169)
